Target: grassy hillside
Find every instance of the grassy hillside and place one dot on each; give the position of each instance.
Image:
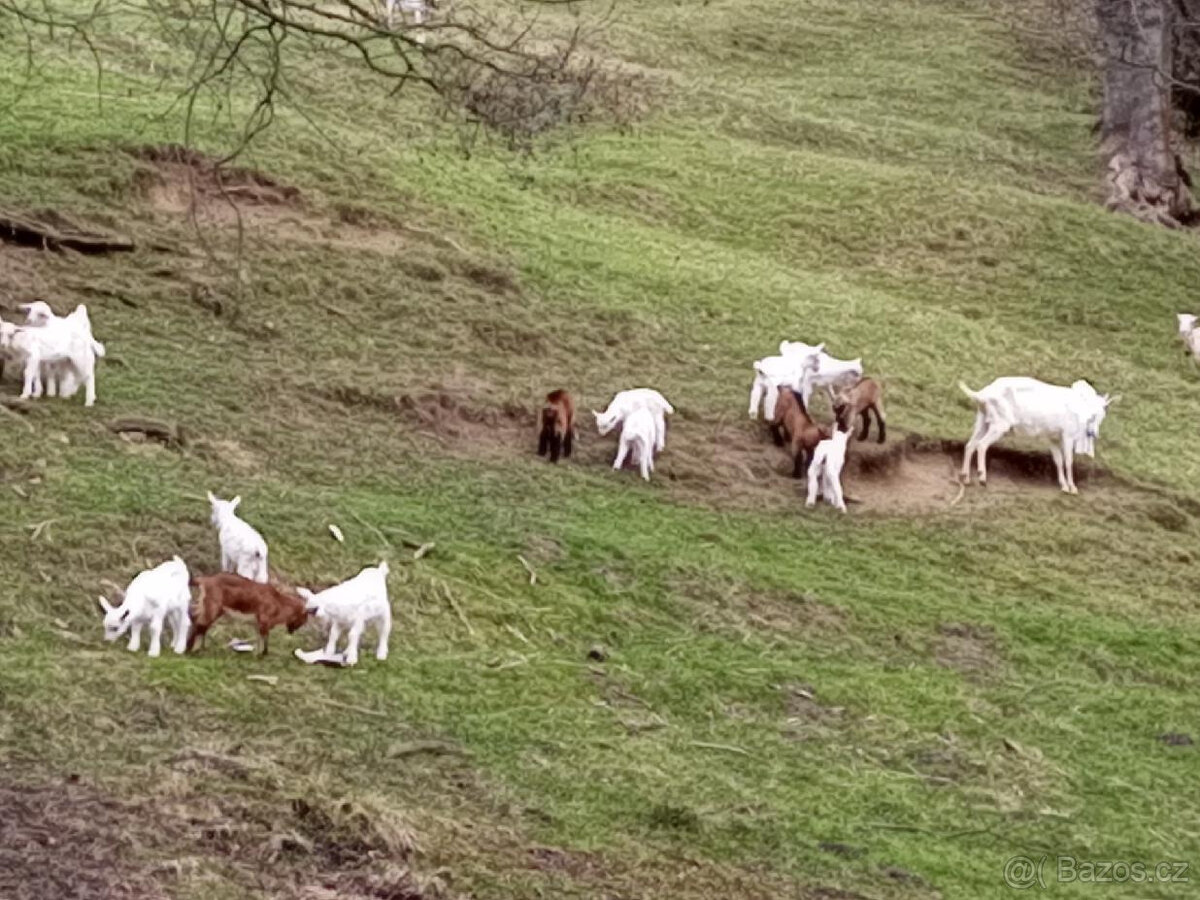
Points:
(788, 702)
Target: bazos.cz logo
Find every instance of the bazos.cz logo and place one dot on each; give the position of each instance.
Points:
(1024, 872)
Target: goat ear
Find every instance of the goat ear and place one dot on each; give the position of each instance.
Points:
(820, 348)
(211, 498)
(1109, 400)
(233, 504)
(105, 605)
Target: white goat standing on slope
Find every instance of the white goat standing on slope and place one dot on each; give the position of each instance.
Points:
(1069, 417)
(829, 372)
(639, 435)
(627, 402)
(62, 350)
(354, 604)
(243, 549)
(825, 470)
(787, 370)
(61, 377)
(154, 596)
(1190, 335)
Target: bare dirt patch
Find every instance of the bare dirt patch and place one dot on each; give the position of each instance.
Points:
(909, 475)
(176, 180)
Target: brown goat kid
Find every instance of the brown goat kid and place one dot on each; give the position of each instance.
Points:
(862, 398)
(793, 425)
(232, 593)
(558, 425)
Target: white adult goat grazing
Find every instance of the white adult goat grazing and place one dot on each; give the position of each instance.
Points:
(1069, 416)
(62, 349)
(354, 604)
(792, 370)
(1190, 335)
(154, 596)
(639, 435)
(243, 549)
(627, 402)
(825, 469)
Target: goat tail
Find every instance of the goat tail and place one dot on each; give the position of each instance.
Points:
(970, 393)
(98, 348)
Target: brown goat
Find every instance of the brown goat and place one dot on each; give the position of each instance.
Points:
(793, 425)
(232, 593)
(558, 425)
(865, 396)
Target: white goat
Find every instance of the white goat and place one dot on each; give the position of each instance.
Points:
(154, 596)
(830, 372)
(626, 402)
(825, 470)
(791, 370)
(354, 604)
(243, 549)
(1069, 416)
(61, 349)
(61, 377)
(639, 434)
(1190, 335)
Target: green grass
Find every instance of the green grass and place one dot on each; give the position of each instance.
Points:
(937, 688)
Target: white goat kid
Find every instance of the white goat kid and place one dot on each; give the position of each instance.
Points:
(354, 605)
(771, 373)
(627, 402)
(1189, 334)
(788, 370)
(62, 376)
(1069, 417)
(638, 435)
(830, 372)
(154, 597)
(64, 348)
(243, 549)
(825, 470)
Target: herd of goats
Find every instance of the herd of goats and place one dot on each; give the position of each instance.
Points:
(56, 355)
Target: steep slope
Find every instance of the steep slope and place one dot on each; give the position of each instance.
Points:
(788, 703)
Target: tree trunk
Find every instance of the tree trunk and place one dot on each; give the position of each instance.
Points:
(1145, 178)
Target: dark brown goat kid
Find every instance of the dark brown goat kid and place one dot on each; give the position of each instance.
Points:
(232, 593)
(558, 426)
(864, 397)
(793, 425)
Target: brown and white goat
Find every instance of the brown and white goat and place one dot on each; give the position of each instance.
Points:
(558, 425)
(860, 399)
(228, 592)
(793, 426)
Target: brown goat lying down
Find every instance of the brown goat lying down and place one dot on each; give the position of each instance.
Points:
(865, 396)
(558, 425)
(232, 593)
(792, 425)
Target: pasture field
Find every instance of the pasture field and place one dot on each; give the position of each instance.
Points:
(709, 691)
